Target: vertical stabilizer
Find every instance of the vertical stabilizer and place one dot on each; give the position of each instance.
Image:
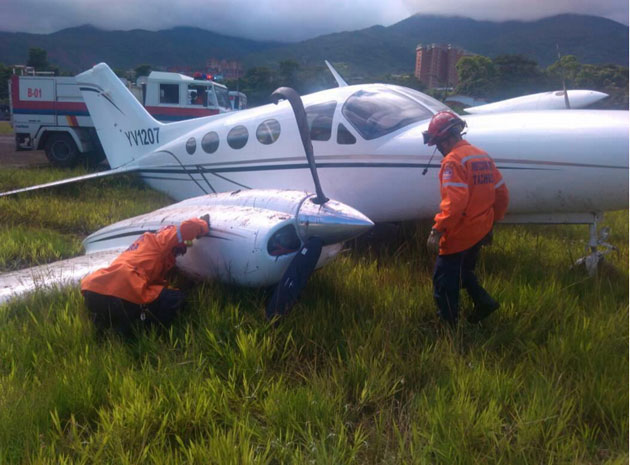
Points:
(126, 130)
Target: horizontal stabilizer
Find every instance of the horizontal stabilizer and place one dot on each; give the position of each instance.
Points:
(53, 275)
(100, 174)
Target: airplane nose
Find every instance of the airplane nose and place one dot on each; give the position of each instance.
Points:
(333, 221)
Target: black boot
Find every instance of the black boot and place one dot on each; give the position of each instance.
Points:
(484, 306)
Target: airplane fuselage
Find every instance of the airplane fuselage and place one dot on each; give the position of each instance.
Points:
(552, 161)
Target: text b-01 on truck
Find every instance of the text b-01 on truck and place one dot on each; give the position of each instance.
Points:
(49, 113)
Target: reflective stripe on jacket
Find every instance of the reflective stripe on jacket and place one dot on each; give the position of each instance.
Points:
(474, 196)
(138, 274)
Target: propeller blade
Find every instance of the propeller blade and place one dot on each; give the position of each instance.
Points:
(564, 81)
(294, 278)
(566, 95)
(300, 116)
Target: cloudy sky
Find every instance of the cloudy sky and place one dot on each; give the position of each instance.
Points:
(282, 20)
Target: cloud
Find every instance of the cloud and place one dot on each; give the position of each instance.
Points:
(279, 20)
(262, 19)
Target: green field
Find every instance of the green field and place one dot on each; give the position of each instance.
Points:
(360, 372)
(5, 128)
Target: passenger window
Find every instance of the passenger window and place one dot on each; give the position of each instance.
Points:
(344, 136)
(320, 120)
(169, 93)
(268, 131)
(237, 137)
(191, 145)
(210, 142)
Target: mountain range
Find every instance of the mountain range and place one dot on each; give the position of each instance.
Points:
(373, 51)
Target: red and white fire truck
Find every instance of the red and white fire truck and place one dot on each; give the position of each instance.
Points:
(48, 112)
(238, 100)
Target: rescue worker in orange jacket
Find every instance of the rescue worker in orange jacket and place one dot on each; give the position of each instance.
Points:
(133, 288)
(474, 196)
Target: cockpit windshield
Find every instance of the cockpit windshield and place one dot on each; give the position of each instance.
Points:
(377, 113)
(425, 99)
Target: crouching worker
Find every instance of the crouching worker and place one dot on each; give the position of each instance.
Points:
(132, 290)
(474, 196)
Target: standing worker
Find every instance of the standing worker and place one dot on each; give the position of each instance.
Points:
(133, 288)
(474, 196)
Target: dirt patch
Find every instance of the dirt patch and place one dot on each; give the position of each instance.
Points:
(11, 158)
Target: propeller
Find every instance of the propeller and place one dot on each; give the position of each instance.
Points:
(300, 116)
(564, 81)
(294, 279)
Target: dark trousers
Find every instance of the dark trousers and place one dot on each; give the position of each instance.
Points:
(451, 273)
(123, 316)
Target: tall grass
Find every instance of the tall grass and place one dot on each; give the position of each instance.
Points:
(5, 128)
(360, 372)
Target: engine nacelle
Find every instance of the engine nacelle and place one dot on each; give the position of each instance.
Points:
(253, 237)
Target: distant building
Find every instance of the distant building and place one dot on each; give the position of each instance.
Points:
(435, 64)
(228, 70)
(221, 69)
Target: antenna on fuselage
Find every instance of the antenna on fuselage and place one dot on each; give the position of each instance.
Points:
(336, 75)
(300, 117)
(426, 168)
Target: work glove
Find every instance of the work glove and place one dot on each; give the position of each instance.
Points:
(433, 242)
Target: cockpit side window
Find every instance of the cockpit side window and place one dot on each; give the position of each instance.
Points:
(320, 119)
(344, 136)
(377, 113)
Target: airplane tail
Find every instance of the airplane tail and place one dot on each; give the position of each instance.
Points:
(126, 130)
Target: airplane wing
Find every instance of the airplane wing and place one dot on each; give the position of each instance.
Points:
(100, 174)
(554, 100)
(53, 275)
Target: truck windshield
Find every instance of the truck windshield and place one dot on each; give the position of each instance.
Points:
(377, 113)
(223, 98)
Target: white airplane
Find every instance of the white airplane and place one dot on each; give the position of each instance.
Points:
(554, 100)
(560, 166)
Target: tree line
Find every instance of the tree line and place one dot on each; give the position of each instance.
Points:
(508, 76)
(492, 79)
(499, 78)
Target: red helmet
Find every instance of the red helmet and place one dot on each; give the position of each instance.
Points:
(442, 125)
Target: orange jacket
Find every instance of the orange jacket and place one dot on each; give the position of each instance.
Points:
(138, 274)
(474, 196)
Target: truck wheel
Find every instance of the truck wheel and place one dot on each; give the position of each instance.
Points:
(61, 150)
(93, 158)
